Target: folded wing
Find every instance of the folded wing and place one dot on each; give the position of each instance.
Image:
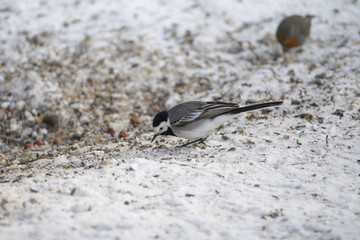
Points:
(195, 111)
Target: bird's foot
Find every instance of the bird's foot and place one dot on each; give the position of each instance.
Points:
(200, 140)
(286, 60)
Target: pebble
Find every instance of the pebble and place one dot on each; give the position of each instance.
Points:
(134, 166)
(13, 125)
(135, 120)
(339, 113)
(39, 142)
(180, 59)
(99, 153)
(57, 141)
(29, 116)
(27, 146)
(286, 137)
(79, 131)
(20, 105)
(60, 160)
(43, 131)
(2, 78)
(26, 132)
(306, 116)
(32, 75)
(34, 112)
(84, 119)
(315, 127)
(123, 134)
(109, 161)
(5, 105)
(332, 131)
(336, 99)
(111, 131)
(34, 134)
(75, 161)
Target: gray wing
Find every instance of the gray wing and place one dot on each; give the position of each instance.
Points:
(189, 112)
(185, 112)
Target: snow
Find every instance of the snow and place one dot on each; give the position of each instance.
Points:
(261, 176)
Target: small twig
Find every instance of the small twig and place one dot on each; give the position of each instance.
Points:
(327, 140)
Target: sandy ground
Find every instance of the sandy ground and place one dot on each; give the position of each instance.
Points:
(76, 74)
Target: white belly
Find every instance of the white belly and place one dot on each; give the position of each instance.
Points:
(202, 128)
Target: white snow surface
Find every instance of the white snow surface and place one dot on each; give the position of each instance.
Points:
(280, 177)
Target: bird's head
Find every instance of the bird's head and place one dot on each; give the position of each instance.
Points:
(161, 124)
(308, 19)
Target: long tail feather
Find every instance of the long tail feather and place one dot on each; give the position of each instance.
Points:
(254, 107)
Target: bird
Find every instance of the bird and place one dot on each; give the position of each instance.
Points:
(293, 31)
(196, 120)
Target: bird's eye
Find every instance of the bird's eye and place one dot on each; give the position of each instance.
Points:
(161, 128)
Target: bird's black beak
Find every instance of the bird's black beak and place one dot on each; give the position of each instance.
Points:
(155, 136)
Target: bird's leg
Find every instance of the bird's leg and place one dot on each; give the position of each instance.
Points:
(286, 60)
(200, 140)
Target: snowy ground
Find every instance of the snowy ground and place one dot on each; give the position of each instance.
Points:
(289, 173)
